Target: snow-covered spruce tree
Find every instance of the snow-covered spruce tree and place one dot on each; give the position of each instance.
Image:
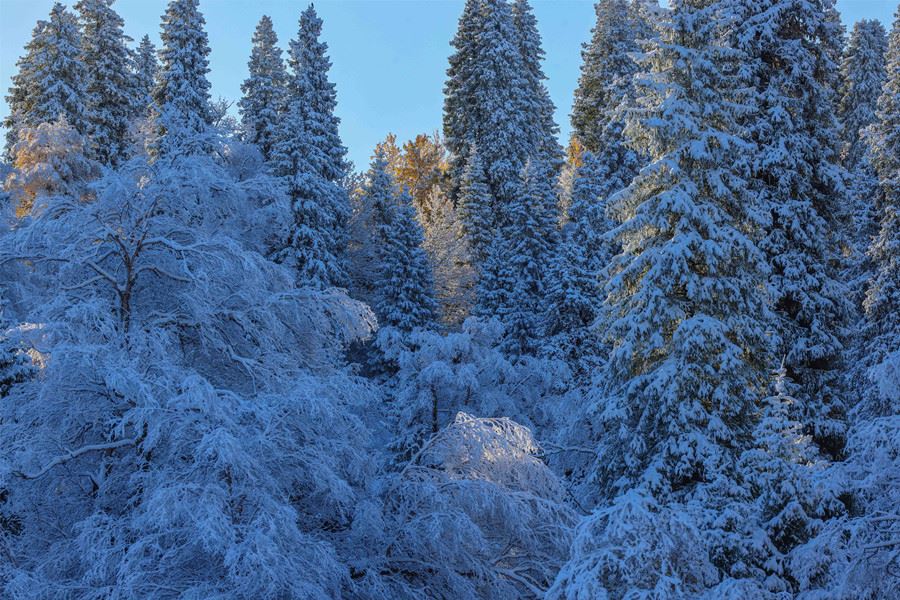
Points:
(542, 129)
(862, 73)
(788, 48)
(309, 153)
(182, 111)
(420, 166)
(477, 209)
(485, 101)
(575, 287)
(458, 119)
(400, 284)
(372, 214)
(882, 302)
(785, 476)
(309, 57)
(50, 82)
(404, 282)
(263, 102)
(308, 248)
(862, 70)
(145, 66)
(605, 82)
(686, 305)
(531, 240)
(112, 92)
(496, 280)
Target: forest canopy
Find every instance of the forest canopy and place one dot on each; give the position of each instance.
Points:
(657, 360)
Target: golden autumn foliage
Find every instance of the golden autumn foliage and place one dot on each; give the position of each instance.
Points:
(420, 166)
(48, 160)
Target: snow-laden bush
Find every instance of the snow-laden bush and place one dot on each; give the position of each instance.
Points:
(440, 375)
(474, 514)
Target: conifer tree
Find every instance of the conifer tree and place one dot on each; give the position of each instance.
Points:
(862, 73)
(402, 287)
(530, 237)
(183, 116)
(606, 71)
(310, 63)
(789, 49)
(477, 209)
(575, 289)
(308, 152)
(862, 69)
(146, 67)
(685, 306)
(496, 280)
(380, 192)
(882, 302)
(310, 243)
(458, 93)
(485, 96)
(50, 82)
(111, 86)
(606, 92)
(405, 283)
(779, 469)
(264, 90)
(539, 108)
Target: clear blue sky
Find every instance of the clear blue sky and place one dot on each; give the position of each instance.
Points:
(389, 55)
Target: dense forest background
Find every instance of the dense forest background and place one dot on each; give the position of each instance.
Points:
(661, 362)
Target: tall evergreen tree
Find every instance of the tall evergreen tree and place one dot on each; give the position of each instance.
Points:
(458, 93)
(146, 67)
(575, 285)
(539, 109)
(476, 206)
(484, 100)
(606, 71)
(789, 48)
(50, 82)
(111, 86)
(686, 306)
(402, 286)
(531, 239)
(606, 91)
(263, 102)
(882, 303)
(309, 153)
(183, 114)
(496, 280)
(405, 282)
(863, 73)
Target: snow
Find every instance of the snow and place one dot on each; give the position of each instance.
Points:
(233, 367)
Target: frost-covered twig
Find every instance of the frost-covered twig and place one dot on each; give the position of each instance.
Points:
(75, 454)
